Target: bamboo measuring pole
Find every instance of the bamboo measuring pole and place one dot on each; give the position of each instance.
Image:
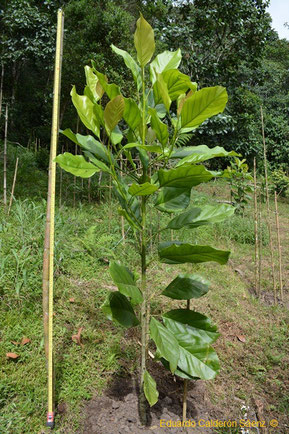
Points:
(5, 159)
(13, 185)
(54, 140)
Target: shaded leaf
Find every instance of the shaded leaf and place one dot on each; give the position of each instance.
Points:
(125, 281)
(159, 127)
(161, 93)
(197, 154)
(113, 112)
(196, 217)
(122, 310)
(132, 114)
(131, 64)
(142, 189)
(187, 286)
(177, 83)
(173, 253)
(184, 177)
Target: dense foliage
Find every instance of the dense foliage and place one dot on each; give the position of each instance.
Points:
(222, 42)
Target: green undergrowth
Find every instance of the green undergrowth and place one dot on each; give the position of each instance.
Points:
(87, 238)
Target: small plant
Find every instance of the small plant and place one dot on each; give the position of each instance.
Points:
(239, 179)
(167, 106)
(280, 182)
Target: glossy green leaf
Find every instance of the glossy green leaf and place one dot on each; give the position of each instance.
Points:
(187, 286)
(149, 148)
(204, 104)
(105, 307)
(172, 199)
(121, 309)
(159, 127)
(166, 343)
(111, 89)
(150, 389)
(191, 328)
(113, 112)
(125, 281)
(184, 176)
(99, 164)
(132, 114)
(116, 136)
(76, 164)
(93, 84)
(165, 61)
(144, 41)
(200, 363)
(197, 154)
(84, 107)
(161, 93)
(207, 214)
(92, 145)
(142, 189)
(131, 64)
(173, 253)
(177, 83)
(70, 135)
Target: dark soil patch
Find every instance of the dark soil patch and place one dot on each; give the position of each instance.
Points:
(117, 410)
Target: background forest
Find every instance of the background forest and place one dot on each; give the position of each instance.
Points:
(222, 42)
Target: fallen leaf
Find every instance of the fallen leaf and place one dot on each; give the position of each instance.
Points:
(15, 343)
(12, 355)
(76, 338)
(25, 341)
(241, 338)
(71, 300)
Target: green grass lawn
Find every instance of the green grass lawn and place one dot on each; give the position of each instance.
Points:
(86, 239)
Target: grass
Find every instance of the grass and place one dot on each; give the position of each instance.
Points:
(252, 368)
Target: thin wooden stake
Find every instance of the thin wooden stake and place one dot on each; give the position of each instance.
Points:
(5, 159)
(1, 89)
(53, 151)
(279, 247)
(13, 185)
(268, 209)
(260, 243)
(256, 230)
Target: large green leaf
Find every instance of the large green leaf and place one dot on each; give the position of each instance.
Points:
(173, 253)
(121, 310)
(204, 104)
(207, 214)
(150, 389)
(76, 164)
(95, 88)
(165, 61)
(187, 286)
(200, 363)
(159, 127)
(92, 145)
(184, 177)
(172, 199)
(84, 107)
(197, 154)
(142, 189)
(113, 112)
(70, 134)
(132, 114)
(144, 41)
(111, 89)
(99, 164)
(148, 148)
(190, 328)
(131, 64)
(166, 343)
(161, 93)
(125, 281)
(177, 83)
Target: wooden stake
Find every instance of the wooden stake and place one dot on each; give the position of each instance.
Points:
(279, 247)
(256, 230)
(1, 89)
(268, 209)
(53, 151)
(5, 158)
(260, 243)
(13, 185)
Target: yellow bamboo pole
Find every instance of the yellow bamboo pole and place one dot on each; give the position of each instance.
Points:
(54, 140)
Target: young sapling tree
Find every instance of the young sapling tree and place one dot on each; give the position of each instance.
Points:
(167, 106)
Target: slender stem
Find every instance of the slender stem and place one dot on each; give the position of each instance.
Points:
(5, 159)
(256, 229)
(13, 186)
(279, 247)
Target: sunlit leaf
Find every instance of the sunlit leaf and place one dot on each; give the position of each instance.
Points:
(131, 64)
(113, 112)
(150, 389)
(166, 343)
(125, 281)
(76, 164)
(144, 41)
